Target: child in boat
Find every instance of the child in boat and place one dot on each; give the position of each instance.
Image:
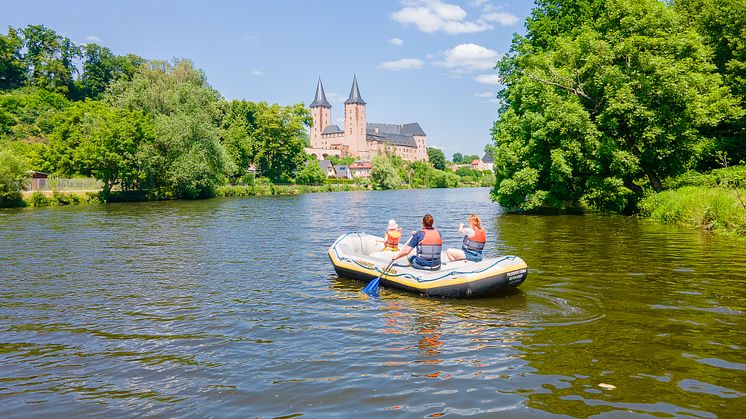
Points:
(391, 237)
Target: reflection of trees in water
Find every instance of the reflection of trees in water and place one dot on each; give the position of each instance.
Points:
(637, 305)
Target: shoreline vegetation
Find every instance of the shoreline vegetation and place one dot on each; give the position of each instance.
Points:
(631, 107)
(152, 130)
(39, 199)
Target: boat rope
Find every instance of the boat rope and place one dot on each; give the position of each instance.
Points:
(406, 274)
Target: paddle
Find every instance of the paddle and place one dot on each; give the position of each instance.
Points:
(372, 287)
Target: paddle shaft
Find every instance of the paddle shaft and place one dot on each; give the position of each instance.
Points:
(372, 287)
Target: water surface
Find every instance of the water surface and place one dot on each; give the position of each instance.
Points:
(230, 307)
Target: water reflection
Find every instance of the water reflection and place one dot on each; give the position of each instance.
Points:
(230, 308)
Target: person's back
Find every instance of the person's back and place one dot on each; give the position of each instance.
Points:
(429, 244)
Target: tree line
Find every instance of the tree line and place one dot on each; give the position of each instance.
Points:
(150, 126)
(606, 101)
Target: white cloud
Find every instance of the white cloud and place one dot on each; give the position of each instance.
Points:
(488, 79)
(403, 64)
(396, 41)
(485, 94)
(251, 37)
(257, 73)
(469, 57)
(435, 15)
(92, 38)
(477, 3)
(503, 18)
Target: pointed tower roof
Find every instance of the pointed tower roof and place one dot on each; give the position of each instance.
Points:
(355, 93)
(320, 99)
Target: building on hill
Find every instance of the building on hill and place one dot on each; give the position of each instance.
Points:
(360, 138)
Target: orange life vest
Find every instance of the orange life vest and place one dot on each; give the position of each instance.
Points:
(430, 247)
(392, 240)
(477, 241)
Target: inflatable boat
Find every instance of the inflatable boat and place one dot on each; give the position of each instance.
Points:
(360, 256)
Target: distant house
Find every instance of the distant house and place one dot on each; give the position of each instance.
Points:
(477, 164)
(328, 168)
(38, 181)
(343, 171)
(361, 169)
(488, 162)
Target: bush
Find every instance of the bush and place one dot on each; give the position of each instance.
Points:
(39, 199)
(13, 177)
(709, 208)
(729, 177)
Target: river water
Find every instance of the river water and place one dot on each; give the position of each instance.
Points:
(230, 307)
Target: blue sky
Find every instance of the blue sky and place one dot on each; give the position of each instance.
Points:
(426, 61)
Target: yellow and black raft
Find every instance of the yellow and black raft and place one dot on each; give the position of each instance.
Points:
(360, 256)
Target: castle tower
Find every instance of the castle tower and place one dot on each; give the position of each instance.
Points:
(321, 112)
(355, 121)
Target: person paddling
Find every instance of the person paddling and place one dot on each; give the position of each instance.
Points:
(428, 243)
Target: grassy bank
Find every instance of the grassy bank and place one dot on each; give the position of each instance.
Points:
(56, 198)
(714, 201)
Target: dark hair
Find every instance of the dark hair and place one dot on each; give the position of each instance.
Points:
(427, 220)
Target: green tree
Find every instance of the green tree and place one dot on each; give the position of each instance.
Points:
(101, 67)
(95, 139)
(279, 140)
(596, 113)
(13, 177)
(311, 173)
(722, 23)
(458, 158)
(436, 157)
(186, 159)
(50, 59)
(238, 122)
(12, 66)
(384, 173)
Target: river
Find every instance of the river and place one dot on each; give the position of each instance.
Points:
(230, 307)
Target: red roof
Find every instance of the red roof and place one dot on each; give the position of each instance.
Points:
(475, 162)
(361, 165)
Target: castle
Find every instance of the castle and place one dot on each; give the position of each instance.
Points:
(360, 138)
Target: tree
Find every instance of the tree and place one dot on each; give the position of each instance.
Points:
(436, 157)
(722, 23)
(279, 140)
(238, 122)
(594, 114)
(13, 177)
(458, 158)
(96, 139)
(384, 173)
(186, 158)
(311, 174)
(101, 67)
(12, 66)
(49, 59)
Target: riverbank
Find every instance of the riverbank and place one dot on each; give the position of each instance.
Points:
(714, 201)
(57, 198)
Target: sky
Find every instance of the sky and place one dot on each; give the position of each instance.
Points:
(426, 61)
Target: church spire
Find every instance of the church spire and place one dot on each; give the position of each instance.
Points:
(355, 93)
(320, 99)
